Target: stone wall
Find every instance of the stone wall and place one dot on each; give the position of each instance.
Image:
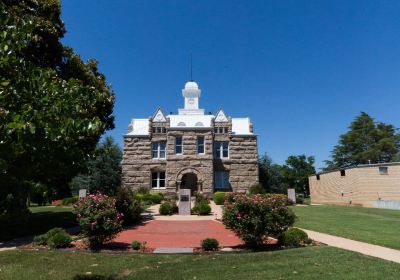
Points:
(242, 163)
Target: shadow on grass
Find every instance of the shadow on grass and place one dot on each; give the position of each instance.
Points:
(93, 277)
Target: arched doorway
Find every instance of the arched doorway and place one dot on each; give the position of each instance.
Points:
(189, 181)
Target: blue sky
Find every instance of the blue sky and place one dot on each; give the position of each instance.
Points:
(301, 70)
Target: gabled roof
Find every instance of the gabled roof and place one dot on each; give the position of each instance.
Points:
(159, 116)
(221, 116)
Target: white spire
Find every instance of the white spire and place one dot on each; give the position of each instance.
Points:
(191, 93)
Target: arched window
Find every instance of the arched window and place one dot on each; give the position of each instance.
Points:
(181, 124)
(199, 124)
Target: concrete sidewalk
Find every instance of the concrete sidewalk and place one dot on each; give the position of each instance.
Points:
(356, 246)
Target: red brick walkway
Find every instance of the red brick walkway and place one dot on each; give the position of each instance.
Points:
(179, 234)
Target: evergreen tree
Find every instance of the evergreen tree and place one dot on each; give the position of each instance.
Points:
(104, 170)
(365, 142)
(270, 175)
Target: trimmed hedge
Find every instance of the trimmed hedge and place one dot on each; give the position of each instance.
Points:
(294, 237)
(209, 244)
(219, 198)
(54, 238)
(201, 209)
(168, 208)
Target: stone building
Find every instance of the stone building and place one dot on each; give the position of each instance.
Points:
(371, 185)
(190, 149)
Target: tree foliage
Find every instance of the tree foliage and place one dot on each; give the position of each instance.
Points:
(295, 172)
(53, 106)
(366, 141)
(104, 170)
(270, 175)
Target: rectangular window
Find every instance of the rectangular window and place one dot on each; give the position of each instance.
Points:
(221, 180)
(221, 149)
(342, 172)
(158, 180)
(178, 145)
(200, 144)
(318, 178)
(216, 130)
(383, 170)
(158, 150)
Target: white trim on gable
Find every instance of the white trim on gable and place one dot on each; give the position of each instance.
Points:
(159, 116)
(221, 116)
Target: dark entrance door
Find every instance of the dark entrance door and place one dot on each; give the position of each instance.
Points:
(189, 181)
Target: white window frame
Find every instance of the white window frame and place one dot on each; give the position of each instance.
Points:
(220, 145)
(158, 150)
(181, 145)
(219, 177)
(203, 145)
(158, 179)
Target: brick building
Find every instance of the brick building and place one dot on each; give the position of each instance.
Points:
(190, 149)
(373, 185)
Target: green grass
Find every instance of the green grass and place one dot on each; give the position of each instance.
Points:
(303, 263)
(42, 219)
(376, 226)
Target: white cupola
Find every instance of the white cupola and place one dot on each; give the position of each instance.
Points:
(191, 93)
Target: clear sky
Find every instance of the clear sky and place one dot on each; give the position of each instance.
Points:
(301, 70)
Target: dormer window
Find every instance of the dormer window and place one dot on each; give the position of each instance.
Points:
(181, 124)
(199, 124)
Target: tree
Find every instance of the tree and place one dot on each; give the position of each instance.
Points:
(104, 170)
(270, 175)
(53, 106)
(295, 172)
(365, 142)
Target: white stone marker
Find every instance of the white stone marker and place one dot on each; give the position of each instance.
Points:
(82, 193)
(291, 193)
(184, 202)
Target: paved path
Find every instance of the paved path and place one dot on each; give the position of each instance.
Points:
(356, 246)
(178, 234)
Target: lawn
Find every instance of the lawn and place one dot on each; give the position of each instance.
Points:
(376, 226)
(304, 263)
(41, 220)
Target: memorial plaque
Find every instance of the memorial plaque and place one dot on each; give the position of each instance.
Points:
(184, 202)
(82, 193)
(291, 193)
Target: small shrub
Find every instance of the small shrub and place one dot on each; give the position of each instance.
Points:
(299, 200)
(219, 198)
(210, 244)
(54, 238)
(143, 190)
(201, 209)
(58, 238)
(156, 198)
(257, 189)
(128, 206)
(294, 237)
(98, 218)
(253, 218)
(40, 239)
(201, 198)
(70, 200)
(168, 207)
(136, 245)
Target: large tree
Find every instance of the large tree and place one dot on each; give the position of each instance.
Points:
(366, 141)
(295, 172)
(270, 175)
(53, 106)
(103, 170)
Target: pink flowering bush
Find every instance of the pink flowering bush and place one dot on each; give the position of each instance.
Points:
(99, 219)
(254, 218)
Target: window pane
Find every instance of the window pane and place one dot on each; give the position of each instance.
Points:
(162, 175)
(215, 130)
(225, 179)
(200, 145)
(217, 149)
(225, 149)
(162, 154)
(162, 183)
(154, 153)
(154, 180)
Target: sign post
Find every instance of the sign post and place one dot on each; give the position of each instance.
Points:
(184, 202)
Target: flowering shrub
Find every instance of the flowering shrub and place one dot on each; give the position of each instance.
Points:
(128, 206)
(99, 219)
(253, 218)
